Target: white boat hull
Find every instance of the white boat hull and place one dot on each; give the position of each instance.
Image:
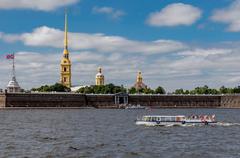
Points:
(180, 123)
(160, 120)
(158, 123)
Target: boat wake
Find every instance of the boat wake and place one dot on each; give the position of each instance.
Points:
(227, 124)
(224, 124)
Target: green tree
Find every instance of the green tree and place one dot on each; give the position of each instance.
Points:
(179, 91)
(103, 89)
(132, 90)
(160, 90)
(148, 91)
(236, 89)
(57, 87)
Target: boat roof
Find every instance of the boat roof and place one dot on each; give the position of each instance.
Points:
(164, 116)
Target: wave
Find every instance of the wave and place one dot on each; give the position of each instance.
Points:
(225, 124)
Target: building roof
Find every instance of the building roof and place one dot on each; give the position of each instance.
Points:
(13, 83)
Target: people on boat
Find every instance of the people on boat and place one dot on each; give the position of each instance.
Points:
(203, 118)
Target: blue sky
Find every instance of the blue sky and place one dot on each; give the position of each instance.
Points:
(176, 44)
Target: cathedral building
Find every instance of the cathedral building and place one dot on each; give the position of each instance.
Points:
(65, 78)
(99, 77)
(139, 83)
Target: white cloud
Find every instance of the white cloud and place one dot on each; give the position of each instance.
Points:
(44, 5)
(187, 69)
(174, 64)
(51, 37)
(113, 13)
(175, 14)
(229, 15)
(205, 52)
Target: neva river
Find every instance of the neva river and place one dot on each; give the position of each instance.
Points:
(113, 133)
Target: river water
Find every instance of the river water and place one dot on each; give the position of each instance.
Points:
(113, 133)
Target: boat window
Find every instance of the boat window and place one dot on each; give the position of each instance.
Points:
(168, 118)
(153, 118)
(146, 119)
(163, 119)
(149, 118)
(173, 118)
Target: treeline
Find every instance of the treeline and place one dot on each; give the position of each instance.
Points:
(112, 89)
(206, 90)
(158, 90)
(57, 87)
(105, 89)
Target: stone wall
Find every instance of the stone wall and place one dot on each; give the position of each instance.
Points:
(230, 101)
(2, 100)
(176, 100)
(101, 101)
(45, 100)
(108, 101)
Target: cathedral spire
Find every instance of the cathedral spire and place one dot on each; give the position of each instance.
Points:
(66, 32)
(139, 83)
(13, 85)
(65, 62)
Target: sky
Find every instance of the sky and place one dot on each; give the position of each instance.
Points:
(176, 44)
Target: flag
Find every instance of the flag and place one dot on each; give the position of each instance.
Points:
(10, 56)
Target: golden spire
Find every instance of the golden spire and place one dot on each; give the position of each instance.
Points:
(65, 62)
(66, 32)
(139, 77)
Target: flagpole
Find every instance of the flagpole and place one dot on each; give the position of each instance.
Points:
(13, 71)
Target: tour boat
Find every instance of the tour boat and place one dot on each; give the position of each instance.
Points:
(159, 120)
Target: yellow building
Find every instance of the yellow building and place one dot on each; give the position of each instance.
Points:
(139, 83)
(65, 62)
(99, 77)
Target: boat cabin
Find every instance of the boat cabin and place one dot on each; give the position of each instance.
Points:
(163, 118)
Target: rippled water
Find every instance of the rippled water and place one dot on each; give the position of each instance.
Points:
(113, 133)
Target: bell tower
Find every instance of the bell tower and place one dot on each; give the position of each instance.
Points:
(65, 62)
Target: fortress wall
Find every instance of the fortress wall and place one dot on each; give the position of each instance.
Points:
(230, 101)
(107, 101)
(190, 101)
(2, 100)
(101, 101)
(45, 100)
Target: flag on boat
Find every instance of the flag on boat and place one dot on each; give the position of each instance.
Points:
(10, 56)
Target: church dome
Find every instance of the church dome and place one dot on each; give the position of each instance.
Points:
(99, 74)
(99, 77)
(13, 83)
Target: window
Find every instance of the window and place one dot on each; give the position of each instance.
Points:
(64, 69)
(65, 79)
